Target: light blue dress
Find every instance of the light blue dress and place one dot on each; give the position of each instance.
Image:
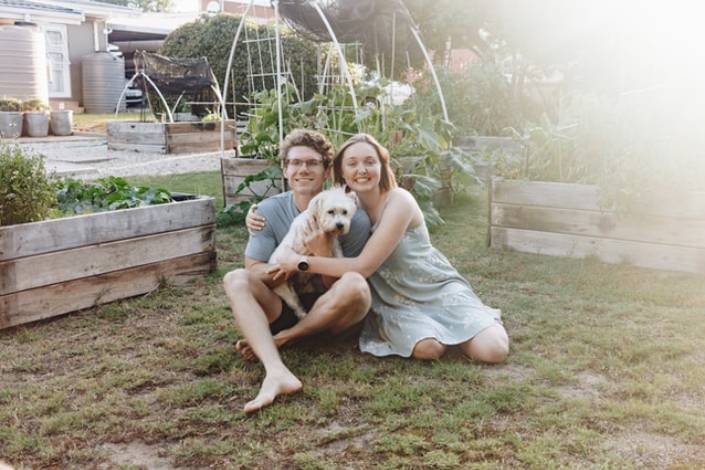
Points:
(417, 294)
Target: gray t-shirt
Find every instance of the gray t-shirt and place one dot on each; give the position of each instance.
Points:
(280, 211)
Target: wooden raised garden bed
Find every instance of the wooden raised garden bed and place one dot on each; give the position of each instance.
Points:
(58, 266)
(235, 170)
(173, 138)
(665, 232)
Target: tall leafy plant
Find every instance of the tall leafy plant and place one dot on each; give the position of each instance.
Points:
(26, 193)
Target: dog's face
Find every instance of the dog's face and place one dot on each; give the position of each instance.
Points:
(334, 209)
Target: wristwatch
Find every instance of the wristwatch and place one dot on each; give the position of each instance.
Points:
(302, 264)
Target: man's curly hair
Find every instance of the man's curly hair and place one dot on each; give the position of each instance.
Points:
(307, 138)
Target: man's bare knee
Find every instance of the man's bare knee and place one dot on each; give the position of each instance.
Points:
(241, 286)
(235, 281)
(355, 290)
(428, 349)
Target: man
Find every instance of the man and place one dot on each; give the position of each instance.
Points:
(334, 304)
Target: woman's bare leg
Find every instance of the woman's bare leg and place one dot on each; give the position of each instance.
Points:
(428, 349)
(491, 345)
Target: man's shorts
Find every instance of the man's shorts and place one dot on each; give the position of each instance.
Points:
(288, 318)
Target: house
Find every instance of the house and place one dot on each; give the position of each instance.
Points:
(145, 32)
(71, 29)
(261, 10)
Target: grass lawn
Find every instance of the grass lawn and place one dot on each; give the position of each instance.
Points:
(85, 122)
(606, 371)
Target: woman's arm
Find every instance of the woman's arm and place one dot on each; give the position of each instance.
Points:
(401, 210)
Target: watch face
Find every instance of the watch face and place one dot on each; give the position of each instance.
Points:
(303, 266)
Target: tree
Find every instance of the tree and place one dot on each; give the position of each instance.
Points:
(459, 21)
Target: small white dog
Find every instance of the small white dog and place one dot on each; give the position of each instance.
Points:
(332, 210)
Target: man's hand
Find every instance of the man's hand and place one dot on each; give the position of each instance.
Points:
(317, 241)
(254, 222)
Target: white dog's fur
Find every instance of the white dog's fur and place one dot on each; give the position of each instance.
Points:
(332, 210)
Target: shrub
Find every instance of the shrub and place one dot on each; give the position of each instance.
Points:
(10, 104)
(211, 37)
(34, 105)
(26, 194)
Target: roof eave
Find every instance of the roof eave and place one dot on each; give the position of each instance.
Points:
(42, 16)
(98, 11)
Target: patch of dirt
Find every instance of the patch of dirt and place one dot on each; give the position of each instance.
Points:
(588, 386)
(513, 371)
(336, 438)
(138, 453)
(647, 450)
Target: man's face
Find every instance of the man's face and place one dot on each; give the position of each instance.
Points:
(303, 168)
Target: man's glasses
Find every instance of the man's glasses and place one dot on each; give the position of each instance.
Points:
(296, 163)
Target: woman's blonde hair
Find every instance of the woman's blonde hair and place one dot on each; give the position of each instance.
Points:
(387, 180)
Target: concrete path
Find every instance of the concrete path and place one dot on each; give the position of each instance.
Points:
(86, 156)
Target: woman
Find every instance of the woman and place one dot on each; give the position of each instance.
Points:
(421, 305)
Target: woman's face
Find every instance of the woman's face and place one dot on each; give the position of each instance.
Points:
(361, 167)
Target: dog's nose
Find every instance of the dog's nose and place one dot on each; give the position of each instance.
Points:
(339, 226)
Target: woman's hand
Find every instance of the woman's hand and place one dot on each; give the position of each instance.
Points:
(317, 241)
(287, 266)
(254, 222)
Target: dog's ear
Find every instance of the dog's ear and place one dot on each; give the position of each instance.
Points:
(353, 195)
(315, 206)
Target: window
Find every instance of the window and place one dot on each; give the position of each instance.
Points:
(59, 75)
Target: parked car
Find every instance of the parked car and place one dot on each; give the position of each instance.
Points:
(134, 96)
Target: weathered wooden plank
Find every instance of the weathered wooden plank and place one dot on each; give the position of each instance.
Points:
(538, 193)
(242, 166)
(636, 227)
(126, 126)
(196, 138)
(189, 127)
(60, 266)
(138, 138)
(197, 148)
(260, 188)
(648, 255)
(669, 202)
(137, 148)
(35, 238)
(57, 299)
(479, 143)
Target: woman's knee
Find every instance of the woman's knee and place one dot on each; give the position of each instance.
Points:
(428, 349)
(491, 346)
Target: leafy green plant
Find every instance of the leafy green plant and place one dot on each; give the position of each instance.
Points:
(111, 193)
(34, 105)
(211, 117)
(10, 104)
(26, 193)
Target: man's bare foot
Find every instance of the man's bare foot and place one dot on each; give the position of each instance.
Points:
(280, 383)
(245, 350)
